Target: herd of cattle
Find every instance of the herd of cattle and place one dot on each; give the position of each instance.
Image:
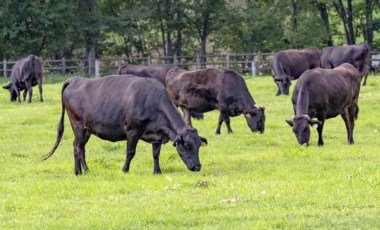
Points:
(141, 102)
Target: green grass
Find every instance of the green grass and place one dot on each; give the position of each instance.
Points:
(248, 181)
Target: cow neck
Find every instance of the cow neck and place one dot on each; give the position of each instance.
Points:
(248, 102)
(302, 106)
(175, 122)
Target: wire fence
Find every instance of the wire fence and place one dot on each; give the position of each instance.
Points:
(245, 63)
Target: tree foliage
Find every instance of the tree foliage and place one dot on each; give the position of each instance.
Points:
(95, 28)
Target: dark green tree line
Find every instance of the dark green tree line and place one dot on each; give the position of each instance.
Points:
(98, 28)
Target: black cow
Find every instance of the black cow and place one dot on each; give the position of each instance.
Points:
(323, 94)
(26, 73)
(209, 89)
(356, 55)
(157, 72)
(116, 108)
(287, 65)
(150, 71)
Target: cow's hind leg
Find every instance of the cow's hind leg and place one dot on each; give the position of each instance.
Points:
(156, 158)
(132, 139)
(80, 140)
(220, 122)
(349, 120)
(29, 87)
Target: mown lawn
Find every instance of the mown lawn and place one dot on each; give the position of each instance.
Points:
(247, 181)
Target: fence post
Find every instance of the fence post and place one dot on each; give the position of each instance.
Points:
(197, 61)
(97, 74)
(228, 61)
(63, 65)
(253, 69)
(149, 60)
(5, 67)
(175, 60)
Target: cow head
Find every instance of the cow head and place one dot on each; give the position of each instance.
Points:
(11, 90)
(283, 83)
(301, 128)
(255, 118)
(187, 143)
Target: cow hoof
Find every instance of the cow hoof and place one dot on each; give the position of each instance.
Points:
(157, 172)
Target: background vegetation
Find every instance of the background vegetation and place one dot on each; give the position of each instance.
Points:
(248, 181)
(100, 28)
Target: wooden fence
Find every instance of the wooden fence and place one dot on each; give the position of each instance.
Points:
(246, 63)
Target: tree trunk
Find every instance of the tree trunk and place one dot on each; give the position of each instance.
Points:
(203, 49)
(368, 34)
(346, 20)
(325, 18)
(294, 15)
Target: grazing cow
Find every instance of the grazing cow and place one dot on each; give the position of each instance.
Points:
(157, 72)
(287, 65)
(209, 89)
(22, 87)
(26, 73)
(116, 108)
(356, 55)
(323, 94)
(150, 71)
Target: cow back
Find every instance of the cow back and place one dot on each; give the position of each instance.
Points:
(152, 71)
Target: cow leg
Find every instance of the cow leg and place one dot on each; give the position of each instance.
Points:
(156, 158)
(226, 119)
(80, 141)
(187, 116)
(320, 130)
(132, 139)
(17, 90)
(29, 87)
(278, 90)
(220, 122)
(349, 120)
(24, 94)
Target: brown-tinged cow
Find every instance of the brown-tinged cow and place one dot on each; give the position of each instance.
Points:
(149, 71)
(26, 73)
(356, 55)
(287, 65)
(131, 108)
(209, 89)
(323, 94)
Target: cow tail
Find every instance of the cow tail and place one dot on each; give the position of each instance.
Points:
(60, 128)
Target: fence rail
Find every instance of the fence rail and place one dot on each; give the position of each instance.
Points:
(245, 63)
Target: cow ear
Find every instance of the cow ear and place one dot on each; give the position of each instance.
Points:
(315, 124)
(290, 122)
(247, 115)
(176, 140)
(203, 141)
(7, 86)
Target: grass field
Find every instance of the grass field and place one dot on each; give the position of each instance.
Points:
(247, 181)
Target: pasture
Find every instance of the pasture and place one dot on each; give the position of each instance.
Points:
(247, 181)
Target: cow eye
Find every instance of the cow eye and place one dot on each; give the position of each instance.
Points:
(187, 146)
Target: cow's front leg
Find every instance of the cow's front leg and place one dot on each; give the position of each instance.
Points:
(17, 90)
(132, 139)
(226, 119)
(187, 116)
(220, 122)
(320, 130)
(156, 158)
(24, 95)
